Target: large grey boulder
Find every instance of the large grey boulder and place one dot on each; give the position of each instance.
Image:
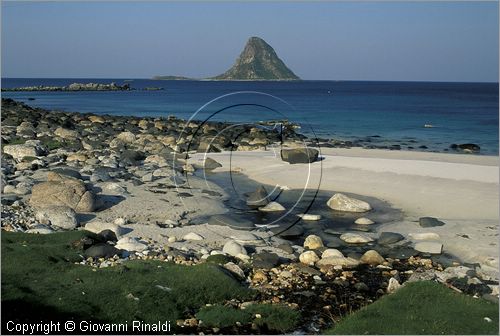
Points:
(341, 202)
(29, 148)
(61, 190)
(234, 249)
(60, 216)
(130, 244)
(299, 155)
(102, 250)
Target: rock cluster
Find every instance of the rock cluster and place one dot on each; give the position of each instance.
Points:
(74, 87)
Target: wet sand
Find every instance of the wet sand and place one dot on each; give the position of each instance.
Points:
(461, 190)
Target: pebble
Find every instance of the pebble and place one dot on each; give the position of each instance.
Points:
(309, 217)
(364, 221)
(429, 247)
(313, 242)
(355, 238)
(193, 236)
(308, 258)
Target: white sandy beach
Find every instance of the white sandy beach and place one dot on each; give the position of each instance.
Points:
(461, 190)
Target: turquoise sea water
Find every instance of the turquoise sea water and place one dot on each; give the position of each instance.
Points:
(389, 112)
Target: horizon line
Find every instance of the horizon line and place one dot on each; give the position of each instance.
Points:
(261, 80)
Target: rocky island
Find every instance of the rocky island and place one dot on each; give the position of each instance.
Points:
(257, 61)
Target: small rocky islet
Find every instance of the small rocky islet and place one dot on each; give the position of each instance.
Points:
(68, 171)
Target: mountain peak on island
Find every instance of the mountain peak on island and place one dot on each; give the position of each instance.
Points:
(258, 61)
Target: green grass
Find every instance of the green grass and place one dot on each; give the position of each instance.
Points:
(41, 282)
(17, 141)
(51, 144)
(219, 259)
(422, 308)
(276, 318)
(223, 316)
(29, 158)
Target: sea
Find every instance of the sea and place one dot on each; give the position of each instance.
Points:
(411, 114)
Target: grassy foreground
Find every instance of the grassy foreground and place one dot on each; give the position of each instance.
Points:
(422, 308)
(272, 317)
(41, 282)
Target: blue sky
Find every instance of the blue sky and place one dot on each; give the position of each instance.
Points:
(435, 41)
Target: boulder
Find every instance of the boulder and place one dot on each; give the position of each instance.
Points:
(30, 148)
(364, 221)
(210, 164)
(131, 157)
(108, 235)
(62, 217)
(355, 238)
(97, 119)
(310, 217)
(341, 202)
(429, 247)
(387, 238)
(98, 226)
(235, 269)
(313, 242)
(127, 137)
(40, 229)
(265, 260)
(158, 160)
(258, 198)
(286, 247)
(26, 128)
(299, 155)
(393, 285)
(455, 272)
(328, 253)
(130, 244)
(234, 249)
(66, 133)
(102, 250)
(372, 257)
(67, 172)
(272, 207)
(308, 257)
(64, 191)
(429, 222)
